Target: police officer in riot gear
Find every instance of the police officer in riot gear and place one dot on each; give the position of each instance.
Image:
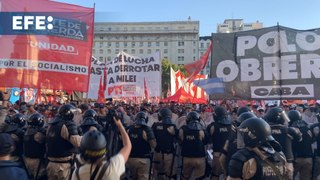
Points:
(302, 150)
(219, 132)
(143, 142)
(230, 146)
(89, 123)
(193, 137)
(62, 142)
(165, 132)
(15, 127)
(277, 118)
(260, 156)
(34, 146)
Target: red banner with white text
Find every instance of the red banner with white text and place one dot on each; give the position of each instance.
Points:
(59, 58)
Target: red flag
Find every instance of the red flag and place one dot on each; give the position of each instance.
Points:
(101, 98)
(146, 93)
(194, 68)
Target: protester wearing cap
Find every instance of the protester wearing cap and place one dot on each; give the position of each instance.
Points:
(9, 169)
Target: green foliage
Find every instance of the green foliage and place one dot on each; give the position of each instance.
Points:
(165, 76)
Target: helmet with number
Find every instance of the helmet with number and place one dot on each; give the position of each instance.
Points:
(220, 115)
(276, 116)
(36, 120)
(193, 116)
(90, 113)
(244, 116)
(66, 111)
(141, 118)
(93, 146)
(164, 113)
(243, 109)
(254, 132)
(294, 115)
(19, 119)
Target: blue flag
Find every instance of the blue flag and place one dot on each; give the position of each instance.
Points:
(15, 95)
(210, 86)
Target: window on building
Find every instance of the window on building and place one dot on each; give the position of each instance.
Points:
(125, 44)
(140, 44)
(180, 58)
(100, 51)
(125, 50)
(109, 44)
(101, 59)
(194, 51)
(181, 43)
(133, 51)
(194, 43)
(157, 43)
(109, 58)
(141, 51)
(157, 50)
(101, 44)
(201, 45)
(149, 51)
(180, 50)
(133, 44)
(109, 51)
(165, 51)
(194, 58)
(116, 51)
(165, 43)
(165, 57)
(149, 44)
(117, 44)
(101, 37)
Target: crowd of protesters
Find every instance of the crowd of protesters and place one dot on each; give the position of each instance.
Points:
(116, 140)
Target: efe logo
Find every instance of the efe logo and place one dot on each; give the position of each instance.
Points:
(28, 22)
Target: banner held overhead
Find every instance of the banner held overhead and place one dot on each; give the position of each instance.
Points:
(54, 54)
(269, 63)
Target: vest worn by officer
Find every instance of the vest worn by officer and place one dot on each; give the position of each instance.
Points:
(264, 171)
(164, 139)
(220, 135)
(32, 148)
(56, 145)
(303, 149)
(280, 134)
(192, 145)
(140, 147)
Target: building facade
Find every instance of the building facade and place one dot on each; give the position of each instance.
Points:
(178, 41)
(235, 25)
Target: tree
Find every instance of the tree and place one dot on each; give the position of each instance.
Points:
(165, 76)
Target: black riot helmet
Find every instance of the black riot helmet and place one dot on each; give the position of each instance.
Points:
(294, 115)
(164, 113)
(254, 132)
(93, 146)
(66, 112)
(193, 116)
(243, 109)
(220, 112)
(141, 118)
(90, 113)
(36, 120)
(18, 119)
(244, 116)
(276, 116)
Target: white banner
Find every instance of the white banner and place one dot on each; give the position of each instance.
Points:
(125, 76)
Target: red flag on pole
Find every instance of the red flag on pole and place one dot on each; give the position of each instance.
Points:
(194, 68)
(102, 87)
(146, 93)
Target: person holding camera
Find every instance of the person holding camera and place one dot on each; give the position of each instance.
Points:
(93, 151)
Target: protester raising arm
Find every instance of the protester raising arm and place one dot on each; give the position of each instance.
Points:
(125, 151)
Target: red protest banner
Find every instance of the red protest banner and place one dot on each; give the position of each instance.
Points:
(56, 58)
